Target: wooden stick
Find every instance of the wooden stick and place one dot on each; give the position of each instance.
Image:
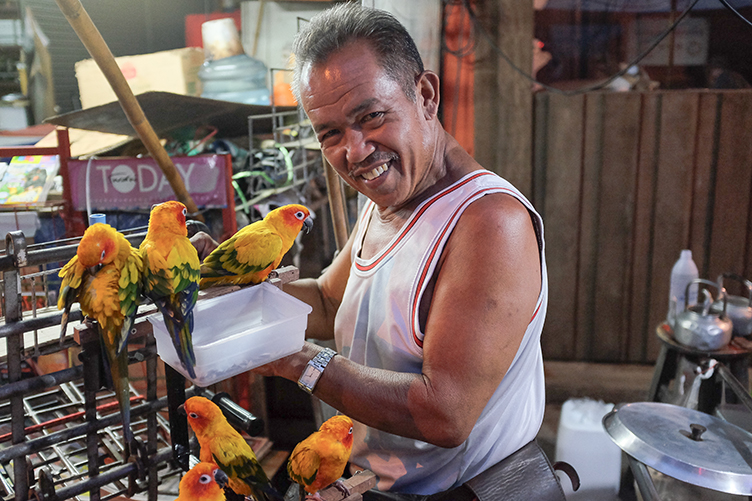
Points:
(258, 28)
(358, 484)
(88, 34)
(336, 204)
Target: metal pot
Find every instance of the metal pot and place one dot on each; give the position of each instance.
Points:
(685, 444)
(738, 308)
(698, 326)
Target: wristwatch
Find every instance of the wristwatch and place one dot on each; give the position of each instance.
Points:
(314, 369)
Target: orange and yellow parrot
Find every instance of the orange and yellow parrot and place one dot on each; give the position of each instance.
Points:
(319, 461)
(203, 482)
(223, 445)
(171, 275)
(105, 278)
(255, 250)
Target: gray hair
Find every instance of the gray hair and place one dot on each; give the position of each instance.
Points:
(334, 28)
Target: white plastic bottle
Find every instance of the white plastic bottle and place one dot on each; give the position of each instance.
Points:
(683, 272)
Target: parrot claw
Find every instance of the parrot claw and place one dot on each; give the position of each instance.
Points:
(314, 497)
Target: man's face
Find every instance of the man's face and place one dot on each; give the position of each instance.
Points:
(375, 137)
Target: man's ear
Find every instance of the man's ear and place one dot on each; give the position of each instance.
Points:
(428, 94)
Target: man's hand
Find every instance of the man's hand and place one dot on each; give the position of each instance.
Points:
(204, 244)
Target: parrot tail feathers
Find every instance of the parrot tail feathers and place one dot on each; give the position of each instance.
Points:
(295, 492)
(185, 347)
(64, 323)
(266, 492)
(180, 329)
(125, 333)
(68, 296)
(118, 366)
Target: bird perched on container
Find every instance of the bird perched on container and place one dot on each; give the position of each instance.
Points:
(105, 278)
(255, 250)
(223, 445)
(171, 275)
(319, 461)
(203, 482)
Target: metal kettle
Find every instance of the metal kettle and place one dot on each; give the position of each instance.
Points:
(738, 308)
(698, 326)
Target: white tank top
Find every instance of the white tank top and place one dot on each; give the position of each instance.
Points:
(377, 326)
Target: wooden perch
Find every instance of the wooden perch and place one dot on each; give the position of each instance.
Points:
(358, 484)
(91, 38)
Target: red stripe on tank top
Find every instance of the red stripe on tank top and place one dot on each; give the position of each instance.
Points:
(414, 220)
(432, 255)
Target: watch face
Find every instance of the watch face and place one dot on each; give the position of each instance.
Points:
(310, 375)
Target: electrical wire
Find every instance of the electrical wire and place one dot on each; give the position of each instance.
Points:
(88, 188)
(736, 12)
(599, 85)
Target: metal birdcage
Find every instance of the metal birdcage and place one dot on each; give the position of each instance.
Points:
(287, 160)
(60, 431)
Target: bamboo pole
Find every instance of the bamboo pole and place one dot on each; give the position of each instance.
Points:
(336, 204)
(88, 34)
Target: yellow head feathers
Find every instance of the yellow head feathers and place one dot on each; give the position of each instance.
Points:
(339, 427)
(168, 217)
(201, 413)
(98, 245)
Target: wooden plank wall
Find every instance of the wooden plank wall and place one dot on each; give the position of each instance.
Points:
(624, 181)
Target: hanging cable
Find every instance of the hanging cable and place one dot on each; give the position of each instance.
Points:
(599, 85)
(88, 188)
(736, 12)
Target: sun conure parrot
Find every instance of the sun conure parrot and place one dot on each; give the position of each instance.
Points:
(255, 250)
(319, 461)
(203, 482)
(223, 445)
(105, 278)
(171, 275)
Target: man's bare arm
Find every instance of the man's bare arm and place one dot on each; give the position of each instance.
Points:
(484, 298)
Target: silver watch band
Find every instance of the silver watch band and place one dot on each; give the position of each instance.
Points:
(314, 369)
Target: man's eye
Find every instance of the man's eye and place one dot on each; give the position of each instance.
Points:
(372, 116)
(327, 135)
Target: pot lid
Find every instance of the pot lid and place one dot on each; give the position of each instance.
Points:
(685, 444)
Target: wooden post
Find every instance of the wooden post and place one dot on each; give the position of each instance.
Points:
(84, 27)
(336, 204)
(503, 97)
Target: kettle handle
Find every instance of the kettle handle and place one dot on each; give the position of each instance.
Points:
(721, 291)
(747, 284)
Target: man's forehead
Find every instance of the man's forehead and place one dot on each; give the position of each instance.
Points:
(321, 83)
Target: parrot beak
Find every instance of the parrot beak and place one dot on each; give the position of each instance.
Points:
(308, 224)
(221, 478)
(181, 410)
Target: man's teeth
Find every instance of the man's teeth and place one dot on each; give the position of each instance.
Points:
(375, 172)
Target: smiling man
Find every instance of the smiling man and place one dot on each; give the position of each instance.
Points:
(437, 301)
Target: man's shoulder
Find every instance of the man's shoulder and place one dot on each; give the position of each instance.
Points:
(498, 205)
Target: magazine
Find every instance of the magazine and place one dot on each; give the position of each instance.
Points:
(28, 179)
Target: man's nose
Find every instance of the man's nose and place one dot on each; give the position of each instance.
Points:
(357, 146)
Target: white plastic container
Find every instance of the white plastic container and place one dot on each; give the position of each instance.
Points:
(582, 441)
(238, 331)
(683, 272)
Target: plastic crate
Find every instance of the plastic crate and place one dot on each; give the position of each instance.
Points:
(238, 331)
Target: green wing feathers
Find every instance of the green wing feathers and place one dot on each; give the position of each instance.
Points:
(304, 465)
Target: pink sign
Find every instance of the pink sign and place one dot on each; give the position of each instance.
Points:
(127, 183)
